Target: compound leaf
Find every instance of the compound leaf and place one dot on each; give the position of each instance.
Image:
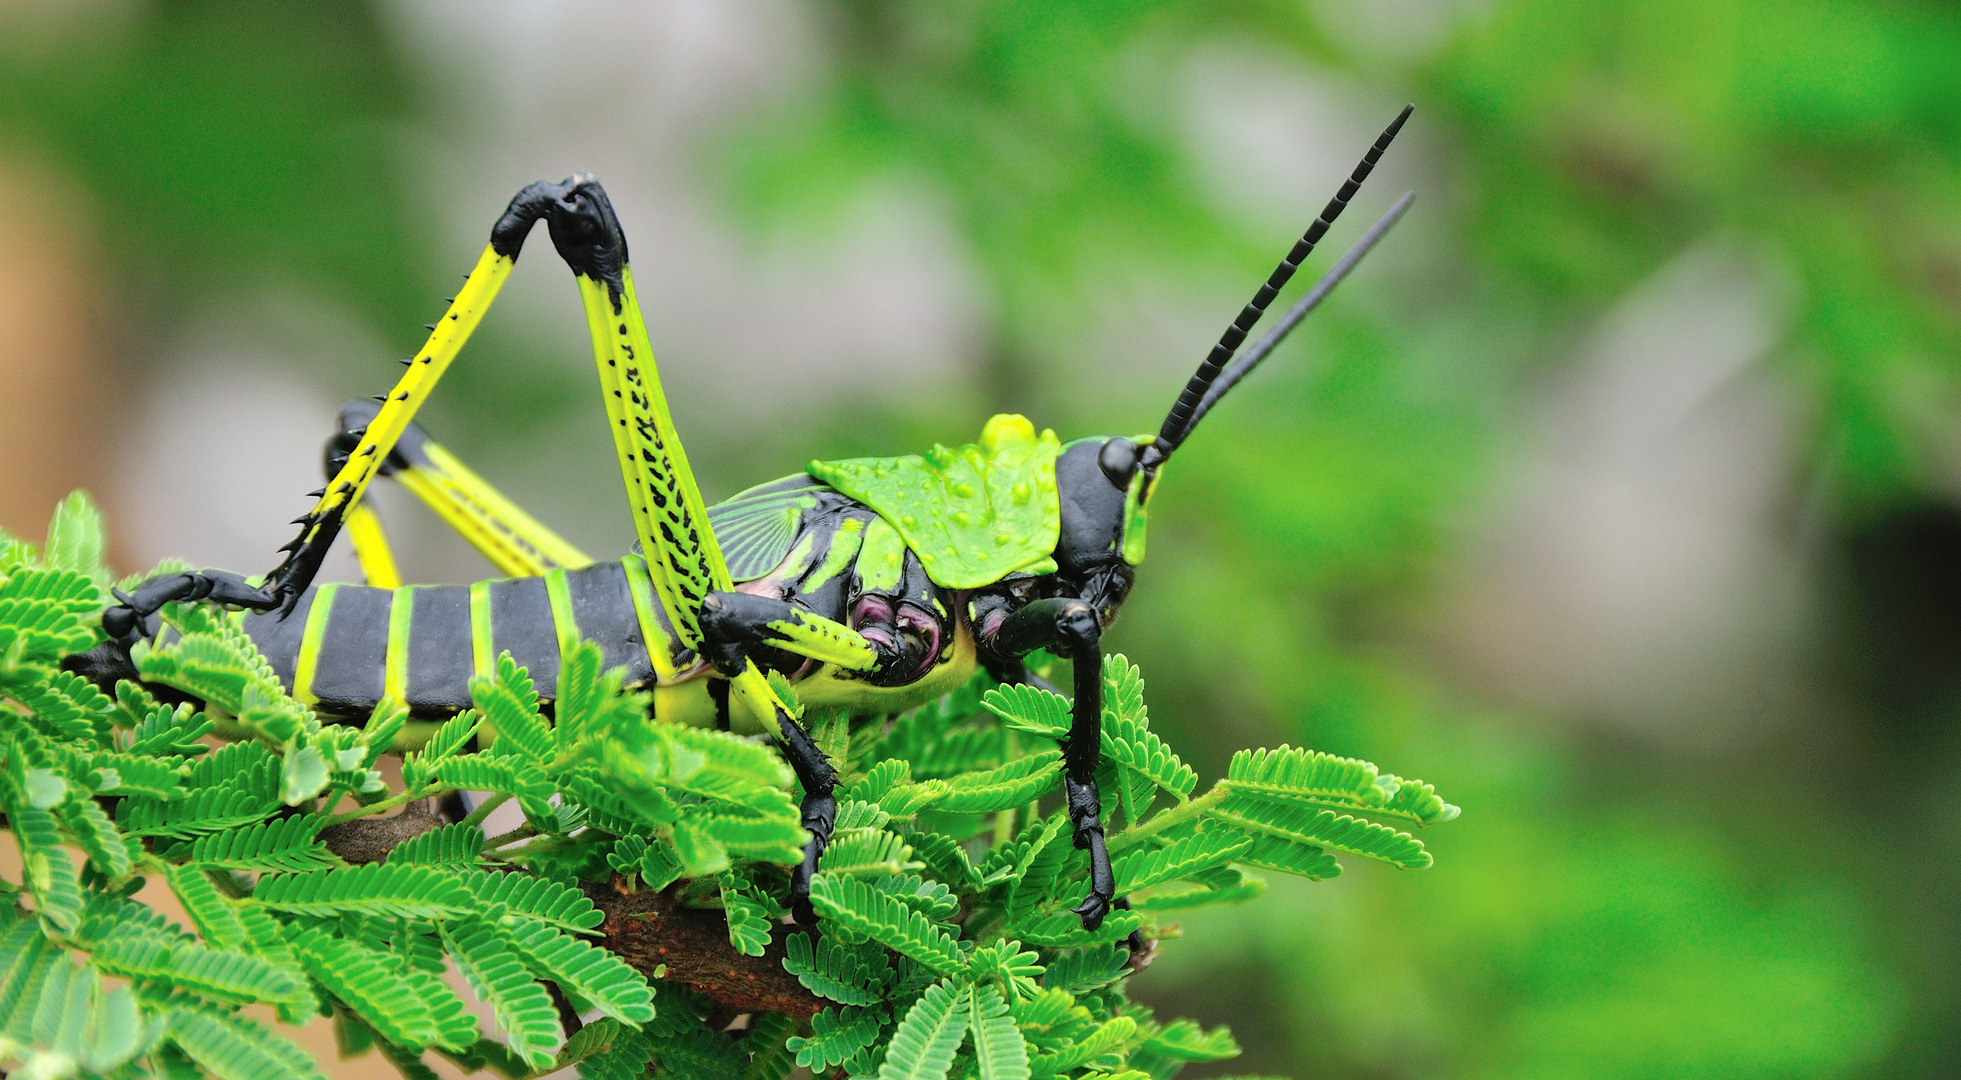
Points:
(539, 898)
(865, 911)
(923, 1046)
(234, 1048)
(409, 892)
(837, 1033)
(496, 972)
(999, 1052)
(609, 983)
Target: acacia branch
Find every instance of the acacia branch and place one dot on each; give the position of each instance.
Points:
(649, 930)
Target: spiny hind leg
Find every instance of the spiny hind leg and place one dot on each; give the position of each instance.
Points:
(514, 541)
(382, 434)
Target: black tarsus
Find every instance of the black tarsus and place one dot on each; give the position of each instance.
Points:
(1177, 423)
(1069, 626)
(584, 229)
(1250, 359)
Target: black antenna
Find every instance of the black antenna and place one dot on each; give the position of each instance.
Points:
(1179, 420)
(1244, 365)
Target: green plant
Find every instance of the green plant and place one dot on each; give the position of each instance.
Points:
(644, 890)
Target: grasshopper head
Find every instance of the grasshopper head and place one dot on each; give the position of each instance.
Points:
(1103, 488)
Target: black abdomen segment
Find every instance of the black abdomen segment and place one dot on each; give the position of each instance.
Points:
(440, 650)
(521, 624)
(345, 646)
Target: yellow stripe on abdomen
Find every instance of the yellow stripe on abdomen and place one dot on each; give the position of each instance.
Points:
(308, 660)
(401, 613)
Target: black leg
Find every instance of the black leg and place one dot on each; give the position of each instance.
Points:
(734, 632)
(820, 808)
(134, 616)
(1070, 626)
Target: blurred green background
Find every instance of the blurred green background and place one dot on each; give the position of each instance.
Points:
(1619, 494)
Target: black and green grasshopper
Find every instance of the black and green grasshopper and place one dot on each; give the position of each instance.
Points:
(874, 585)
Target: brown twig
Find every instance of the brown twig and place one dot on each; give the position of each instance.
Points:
(646, 929)
(366, 840)
(650, 929)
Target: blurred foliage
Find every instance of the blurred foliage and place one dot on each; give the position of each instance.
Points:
(1614, 908)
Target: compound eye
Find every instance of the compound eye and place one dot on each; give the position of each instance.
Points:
(1118, 460)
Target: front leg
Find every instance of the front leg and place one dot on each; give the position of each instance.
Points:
(1070, 626)
(734, 627)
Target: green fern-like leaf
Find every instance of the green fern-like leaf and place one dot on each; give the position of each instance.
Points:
(1323, 828)
(207, 810)
(129, 774)
(598, 976)
(625, 1059)
(234, 1048)
(717, 764)
(1064, 929)
(946, 861)
(1237, 888)
(867, 853)
(1416, 801)
(97, 836)
(50, 873)
(767, 837)
(456, 846)
(858, 814)
(451, 736)
(999, 1052)
(25, 955)
(1083, 970)
(75, 539)
(772, 1058)
(1182, 1040)
(869, 913)
(534, 897)
(847, 974)
(42, 613)
(1202, 850)
(880, 781)
(749, 922)
(1030, 709)
(404, 1005)
(1139, 749)
(929, 898)
(1108, 1036)
(409, 892)
(224, 977)
(509, 705)
(1286, 855)
(1017, 783)
(476, 772)
(923, 1046)
(238, 765)
(1127, 739)
(496, 972)
(281, 845)
(836, 1035)
(216, 918)
(1290, 774)
(69, 706)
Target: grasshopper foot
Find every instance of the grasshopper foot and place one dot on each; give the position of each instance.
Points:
(820, 813)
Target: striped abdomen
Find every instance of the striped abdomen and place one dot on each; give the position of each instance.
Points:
(344, 647)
